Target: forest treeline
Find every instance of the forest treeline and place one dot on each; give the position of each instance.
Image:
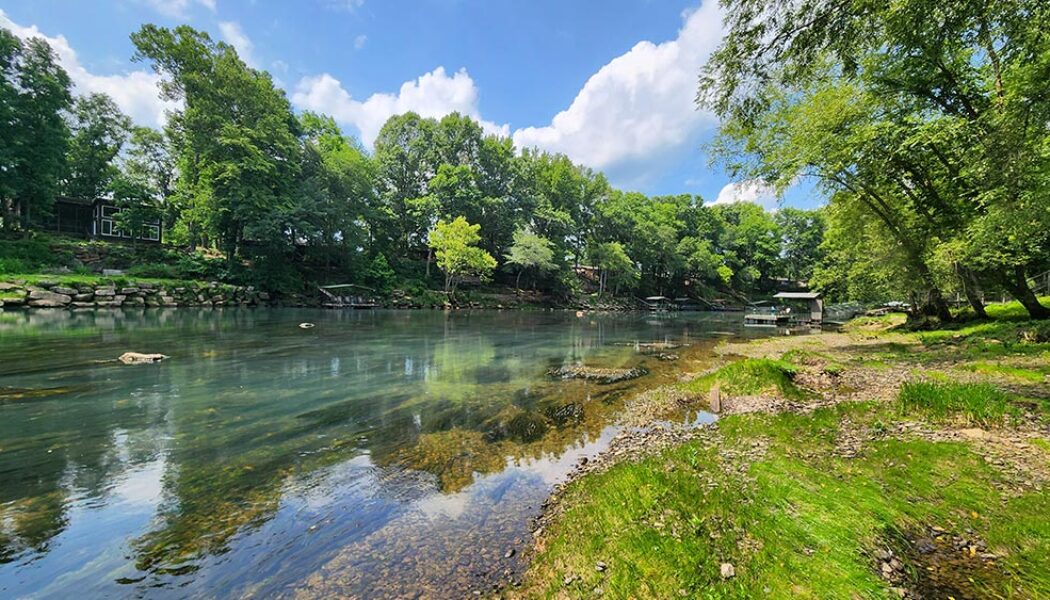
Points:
(289, 198)
(926, 123)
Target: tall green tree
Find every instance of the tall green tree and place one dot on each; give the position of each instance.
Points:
(236, 138)
(34, 94)
(946, 148)
(99, 130)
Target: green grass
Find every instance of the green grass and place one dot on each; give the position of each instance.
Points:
(1034, 375)
(974, 403)
(93, 280)
(749, 377)
(803, 523)
(1004, 310)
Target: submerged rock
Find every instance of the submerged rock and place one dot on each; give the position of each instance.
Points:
(137, 358)
(598, 374)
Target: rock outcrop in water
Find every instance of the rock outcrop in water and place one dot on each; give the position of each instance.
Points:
(597, 374)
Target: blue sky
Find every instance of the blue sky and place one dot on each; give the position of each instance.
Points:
(611, 84)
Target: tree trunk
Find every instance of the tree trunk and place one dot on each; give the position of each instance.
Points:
(1017, 285)
(971, 290)
(934, 305)
(517, 281)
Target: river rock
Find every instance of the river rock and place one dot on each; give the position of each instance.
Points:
(105, 291)
(727, 571)
(138, 358)
(64, 290)
(76, 304)
(129, 290)
(85, 297)
(597, 374)
(45, 299)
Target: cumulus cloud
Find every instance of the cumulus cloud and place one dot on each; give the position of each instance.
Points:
(234, 35)
(135, 92)
(178, 8)
(637, 111)
(359, 41)
(750, 190)
(434, 94)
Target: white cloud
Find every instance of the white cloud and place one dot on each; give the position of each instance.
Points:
(347, 5)
(135, 92)
(234, 35)
(359, 41)
(637, 113)
(750, 190)
(434, 94)
(178, 8)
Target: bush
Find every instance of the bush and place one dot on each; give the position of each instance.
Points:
(974, 403)
(26, 255)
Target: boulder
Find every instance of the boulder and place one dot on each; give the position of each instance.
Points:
(47, 299)
(64, 290)
(129, 290)
(45, 303)
(14, 301)
(105, 291)
(5, 286)
(76, 304)
(138, 358)
(85, 297)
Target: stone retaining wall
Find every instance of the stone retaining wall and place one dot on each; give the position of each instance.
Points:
(46, 294)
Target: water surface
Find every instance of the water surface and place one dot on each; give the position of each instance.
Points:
(378, 454)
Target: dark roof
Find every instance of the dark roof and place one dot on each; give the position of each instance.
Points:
(797, 295)
(77, 201)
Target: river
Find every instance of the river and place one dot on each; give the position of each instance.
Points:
(376, 454)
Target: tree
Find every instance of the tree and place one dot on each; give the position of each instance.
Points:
(616, 268)
(139, 201)
(236, 139)
(932, 111)
(99, 130)
(801, 232)
(33, 96)
(455, 247)
(149, 158)
(530, 252)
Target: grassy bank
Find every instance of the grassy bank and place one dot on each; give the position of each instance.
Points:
(872, 463)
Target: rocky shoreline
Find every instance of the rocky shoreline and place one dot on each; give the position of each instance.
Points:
(141, 294)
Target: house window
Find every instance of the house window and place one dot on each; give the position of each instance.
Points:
(107, 226)
(151, 233)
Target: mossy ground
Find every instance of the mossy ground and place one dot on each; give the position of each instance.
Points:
(803, 504)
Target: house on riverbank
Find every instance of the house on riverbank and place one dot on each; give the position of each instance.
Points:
(96, 219)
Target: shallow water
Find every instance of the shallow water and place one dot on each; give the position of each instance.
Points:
(378, 454)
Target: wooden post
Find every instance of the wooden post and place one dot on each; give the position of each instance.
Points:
(715, 399)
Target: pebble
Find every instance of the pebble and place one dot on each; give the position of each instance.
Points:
(727, 570)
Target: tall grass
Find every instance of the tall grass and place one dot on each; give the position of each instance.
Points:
(974, 403)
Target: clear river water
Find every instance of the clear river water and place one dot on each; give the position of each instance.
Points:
(377, 454)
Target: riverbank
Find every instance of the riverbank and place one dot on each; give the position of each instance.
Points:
(91, 291)
(872, 461)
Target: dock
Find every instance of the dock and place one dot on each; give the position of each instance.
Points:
(353, 300)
